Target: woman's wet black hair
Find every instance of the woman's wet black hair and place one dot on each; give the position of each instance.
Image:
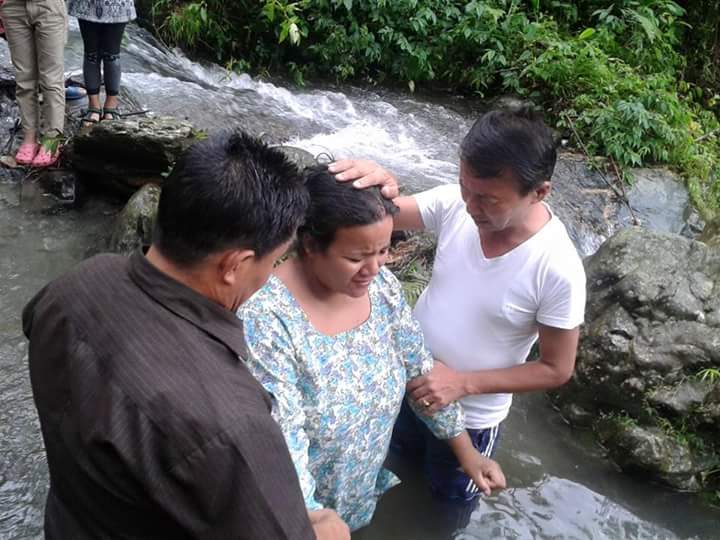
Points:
(334, 205)
(511, 139)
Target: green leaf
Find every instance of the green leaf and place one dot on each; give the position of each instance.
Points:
(284, 31)
(269, 11)
(294, 32)
(586, 34)
(648, 25)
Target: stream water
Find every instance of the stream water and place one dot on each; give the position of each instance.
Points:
(560, 484)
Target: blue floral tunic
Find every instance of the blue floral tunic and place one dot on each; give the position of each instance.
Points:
(336, 398)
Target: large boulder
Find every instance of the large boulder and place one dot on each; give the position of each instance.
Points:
(650, 451)
(649, 358)
(134, 225)
(594, 205)
(124, 155)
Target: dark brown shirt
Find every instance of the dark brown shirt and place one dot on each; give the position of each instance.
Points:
(152, 424)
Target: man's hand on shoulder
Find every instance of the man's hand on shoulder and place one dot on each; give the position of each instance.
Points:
(365, 173)
(437, 389)
(328, 525)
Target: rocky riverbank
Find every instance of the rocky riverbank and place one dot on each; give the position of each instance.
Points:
(647, 380)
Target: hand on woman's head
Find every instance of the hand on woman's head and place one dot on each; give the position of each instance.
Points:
(365, 173)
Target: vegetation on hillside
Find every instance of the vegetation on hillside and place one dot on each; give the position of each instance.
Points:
(637, 81)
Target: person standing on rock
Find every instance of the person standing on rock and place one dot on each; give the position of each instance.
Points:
(36, 33)
(153, 425)
(505, 275)
(102, 25)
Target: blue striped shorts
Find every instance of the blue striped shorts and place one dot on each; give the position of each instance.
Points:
(412, 440)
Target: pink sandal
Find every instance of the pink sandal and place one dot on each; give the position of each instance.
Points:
(48, 154)
(26, 153)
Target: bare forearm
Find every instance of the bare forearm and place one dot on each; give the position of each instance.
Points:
(444, 385)
(461, 446)
(527, 377)
(485, 473)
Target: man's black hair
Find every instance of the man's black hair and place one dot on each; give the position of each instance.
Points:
(515, 140)
(229, 191)
(334, 205)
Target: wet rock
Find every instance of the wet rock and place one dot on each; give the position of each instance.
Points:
(62, 184)
(652, 327)
(710, 411)
(578, 416)
(682, 399)
(123, 155)
(694, 225)
(7, 80)
(659, 199)
(711, 233)
(585, 203)
(75, 109)
(134, 225)
(34, 197)
(593, 206)
(649, 451)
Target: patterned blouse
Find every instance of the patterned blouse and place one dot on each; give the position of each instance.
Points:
(103, 11)
(336, 398)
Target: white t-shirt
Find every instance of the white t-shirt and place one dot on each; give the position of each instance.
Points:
(479, 313)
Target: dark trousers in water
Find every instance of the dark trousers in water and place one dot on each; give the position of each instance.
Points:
(413, 441)
(102, 43)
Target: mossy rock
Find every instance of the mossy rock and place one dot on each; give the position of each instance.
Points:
(649, 451)
(123, 155)
(652, 329)
(134, 225)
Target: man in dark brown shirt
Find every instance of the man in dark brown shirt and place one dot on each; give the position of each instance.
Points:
(153, 426)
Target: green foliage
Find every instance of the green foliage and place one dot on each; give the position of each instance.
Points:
(415, 279)
(711, 375)
(411, 261)
(621, 418)
(614, 73)
(683, 434)
(191, 25)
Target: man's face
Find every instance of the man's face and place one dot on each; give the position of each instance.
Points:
(496, 204)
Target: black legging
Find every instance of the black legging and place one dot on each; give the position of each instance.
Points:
(101, 42)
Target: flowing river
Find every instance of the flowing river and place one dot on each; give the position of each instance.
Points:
(560, 486)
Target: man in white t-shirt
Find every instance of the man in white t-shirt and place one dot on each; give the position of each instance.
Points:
(505, 275)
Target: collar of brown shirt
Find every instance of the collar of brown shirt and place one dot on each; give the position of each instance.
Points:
(188, 304)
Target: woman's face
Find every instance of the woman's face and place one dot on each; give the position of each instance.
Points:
(354, 258)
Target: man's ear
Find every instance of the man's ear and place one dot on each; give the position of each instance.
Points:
(542, 191)
(234, 265)
(308, 243)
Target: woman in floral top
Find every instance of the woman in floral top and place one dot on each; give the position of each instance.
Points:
(333, 340)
